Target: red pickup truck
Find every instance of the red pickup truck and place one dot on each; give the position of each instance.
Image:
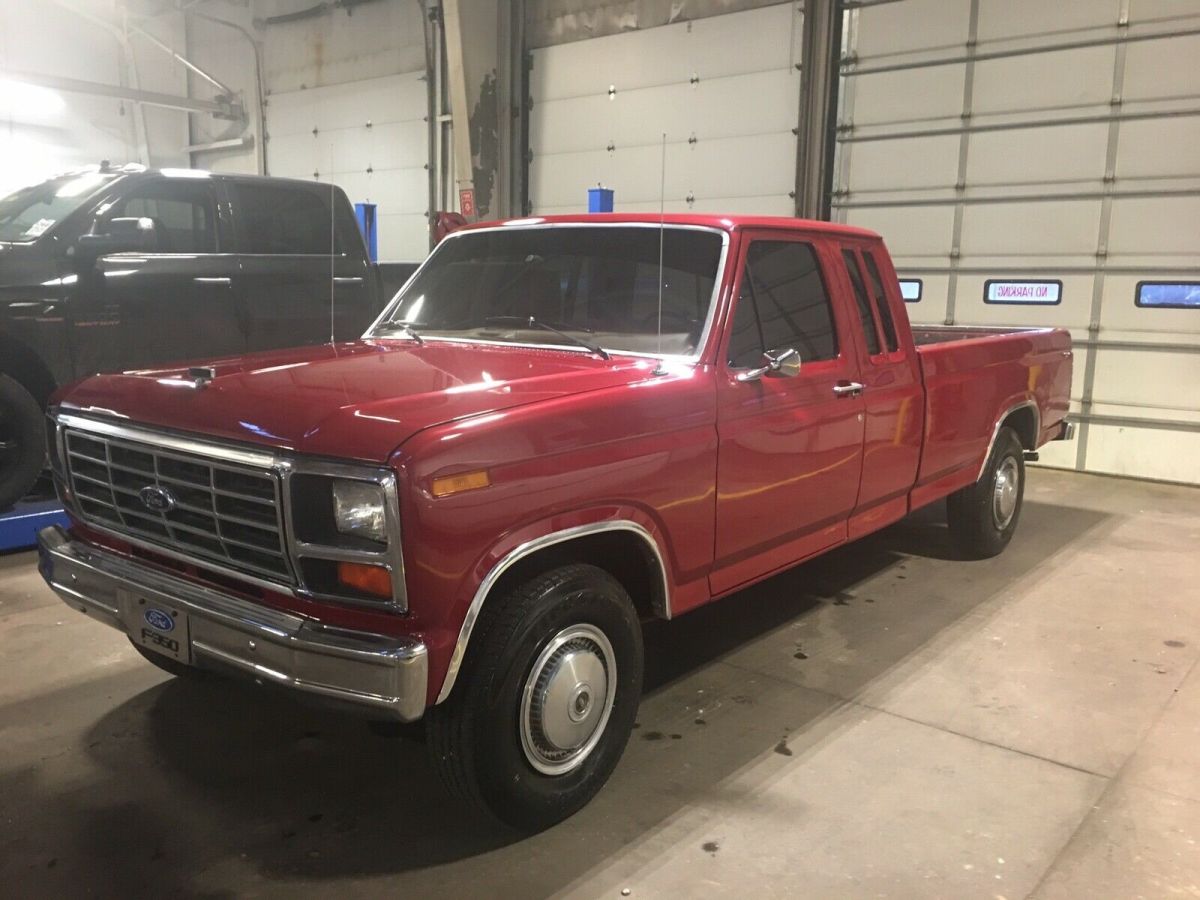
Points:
(558, 428)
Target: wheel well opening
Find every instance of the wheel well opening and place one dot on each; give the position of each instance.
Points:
(1024, 422)
(23, 366)
(623, 554)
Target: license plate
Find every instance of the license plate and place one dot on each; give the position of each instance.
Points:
(161, 627)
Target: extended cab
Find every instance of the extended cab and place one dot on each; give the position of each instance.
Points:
(109, 268)
(560, 427)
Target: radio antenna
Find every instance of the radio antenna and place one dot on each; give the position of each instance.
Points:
(332, 251)
(662, 200)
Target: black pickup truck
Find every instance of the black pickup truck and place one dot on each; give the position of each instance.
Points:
(124, 268)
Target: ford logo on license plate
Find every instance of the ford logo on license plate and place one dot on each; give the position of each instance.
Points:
(158, 619)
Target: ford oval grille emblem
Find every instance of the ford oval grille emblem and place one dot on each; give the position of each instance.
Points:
(156, 499)
(158, 619)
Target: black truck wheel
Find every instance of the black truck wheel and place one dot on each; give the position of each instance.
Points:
(546, 702)
(983, 515)
(22, 441)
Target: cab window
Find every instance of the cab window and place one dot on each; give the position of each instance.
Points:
(881, 303)
(183, 213)
(866, 316)
(782, 304)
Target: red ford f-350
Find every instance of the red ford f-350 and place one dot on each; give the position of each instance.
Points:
(559, 427)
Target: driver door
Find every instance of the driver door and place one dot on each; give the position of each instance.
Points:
(173, 303)
(791, 448)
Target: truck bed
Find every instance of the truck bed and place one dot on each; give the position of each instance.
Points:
(975, 375)
(924, 335)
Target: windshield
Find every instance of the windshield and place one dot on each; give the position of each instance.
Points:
(27, 214)
(594, 283)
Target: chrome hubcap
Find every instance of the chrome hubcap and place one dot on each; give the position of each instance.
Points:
(567, 699)
(1005, 491)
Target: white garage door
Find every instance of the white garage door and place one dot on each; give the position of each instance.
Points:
(369, 137)
(724, 89)
(1024, 141)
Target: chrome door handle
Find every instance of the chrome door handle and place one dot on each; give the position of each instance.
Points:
(347, 279)
(851, 389)
(218, 279)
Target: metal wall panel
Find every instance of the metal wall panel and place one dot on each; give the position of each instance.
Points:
(983, 147)
(728, 116)
(370, 138)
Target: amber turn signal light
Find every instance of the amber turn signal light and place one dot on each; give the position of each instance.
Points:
(453, 484)
(367, 578)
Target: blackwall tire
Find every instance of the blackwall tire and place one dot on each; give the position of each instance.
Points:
(983, 516)
(22, 441)
(545, 704)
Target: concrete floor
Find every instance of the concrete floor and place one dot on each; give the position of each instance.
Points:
(885, 721)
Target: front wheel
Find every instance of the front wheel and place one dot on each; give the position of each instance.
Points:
(22, 441)
(983, 515)
(545, 705)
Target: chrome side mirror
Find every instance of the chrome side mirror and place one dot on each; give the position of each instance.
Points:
(776, 363)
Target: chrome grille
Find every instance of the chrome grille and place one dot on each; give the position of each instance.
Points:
(223, 512)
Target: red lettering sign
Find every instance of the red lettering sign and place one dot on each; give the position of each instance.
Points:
(466, 202)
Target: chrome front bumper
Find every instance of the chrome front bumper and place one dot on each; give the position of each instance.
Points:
(383, 675)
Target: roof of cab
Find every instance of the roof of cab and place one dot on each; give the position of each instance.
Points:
(705, 220)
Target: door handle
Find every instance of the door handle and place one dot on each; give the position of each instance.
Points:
(850, 389)
(347, 279)
(217, 279)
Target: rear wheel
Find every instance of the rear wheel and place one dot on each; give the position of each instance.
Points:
(983, 516)
(543, 710)
(22, 441)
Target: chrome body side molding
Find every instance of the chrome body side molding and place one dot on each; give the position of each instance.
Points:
(526, 549)
(1037, 430)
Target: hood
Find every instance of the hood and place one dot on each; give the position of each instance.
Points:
(357, 400)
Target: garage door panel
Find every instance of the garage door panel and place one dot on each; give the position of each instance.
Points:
(393, 190)
(1031, 228)
(1120, 313)
(913, 162)
(1138, 377)
(1037, 155)
(763, 39)
(909, 95)
(891, 28)
(1163, 68)
(1006, 19)
(1073, 312)
(910, 231)
(1155, 225)
(931, 308)
(743, 167)
(1143, 452)
(403, 237)
(399, 145)
(1150, 148)
(713, 109)
(1044, 81)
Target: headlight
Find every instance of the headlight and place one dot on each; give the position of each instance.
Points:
(358, 509)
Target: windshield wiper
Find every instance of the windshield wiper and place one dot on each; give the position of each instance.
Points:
(407, 330)
(531, 322)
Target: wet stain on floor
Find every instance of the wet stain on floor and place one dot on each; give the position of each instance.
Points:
(710, 847)
(653, 736)
(1175, 643)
